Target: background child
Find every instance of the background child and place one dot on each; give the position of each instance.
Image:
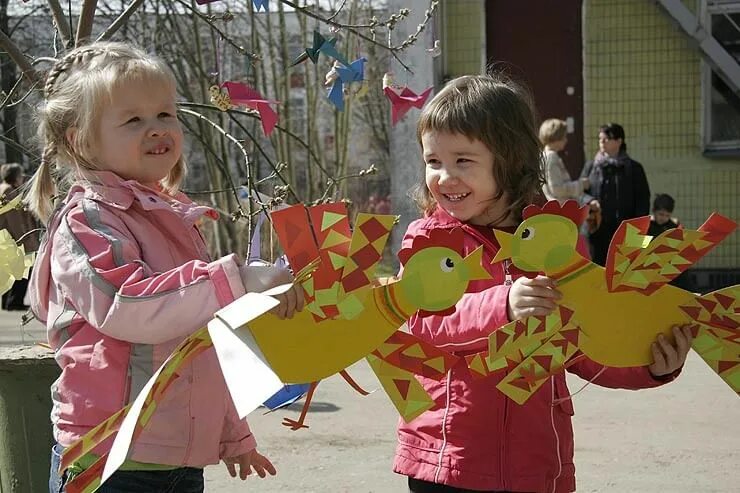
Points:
(123, 274)
(481, 159)
(662, 220)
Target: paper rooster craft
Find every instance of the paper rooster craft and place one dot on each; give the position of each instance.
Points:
(242, 95)
(610, 315)
(349, 315)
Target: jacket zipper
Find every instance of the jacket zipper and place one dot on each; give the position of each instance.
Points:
(508, 281)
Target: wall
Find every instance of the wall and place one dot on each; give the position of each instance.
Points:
(642, 72)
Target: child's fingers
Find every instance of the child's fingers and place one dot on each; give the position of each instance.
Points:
(683, 340)
(267, 465)
(543, 281)
(300, 297)
(231, 468)
(536, 302)
(659, 363)
(669, 352)
(541, 292)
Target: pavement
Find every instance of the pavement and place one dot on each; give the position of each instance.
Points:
(680, 438)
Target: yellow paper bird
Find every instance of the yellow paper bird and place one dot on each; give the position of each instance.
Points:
(612, 314)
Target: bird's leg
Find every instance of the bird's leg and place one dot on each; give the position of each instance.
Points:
(347, 378)
(297, 425)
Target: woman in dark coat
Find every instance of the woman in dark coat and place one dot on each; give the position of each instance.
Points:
(618, 184)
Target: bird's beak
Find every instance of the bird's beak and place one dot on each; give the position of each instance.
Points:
(474, 262)
(504, 239)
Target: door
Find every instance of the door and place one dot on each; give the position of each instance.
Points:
(539, 42)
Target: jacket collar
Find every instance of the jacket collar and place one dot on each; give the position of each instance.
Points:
(110, 189)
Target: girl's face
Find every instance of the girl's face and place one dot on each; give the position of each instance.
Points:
(139, 135)
(459, 176)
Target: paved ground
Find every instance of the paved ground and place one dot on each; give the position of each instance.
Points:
(682, 438)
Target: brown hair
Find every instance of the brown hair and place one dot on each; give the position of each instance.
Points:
(77, 88)
(500, 113)
(552, 130)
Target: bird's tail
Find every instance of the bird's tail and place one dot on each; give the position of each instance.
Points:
(347, 258)
(717, 333)
(635, 263)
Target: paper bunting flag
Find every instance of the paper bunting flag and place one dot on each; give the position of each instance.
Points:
(320, 45)
(612, 315)
(355, 72)
(403, 101)
(261, 4)
(243, 95)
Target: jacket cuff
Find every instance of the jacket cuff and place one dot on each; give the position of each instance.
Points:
(495, 313)
(669, 377)
(226, 279)
(239, 447)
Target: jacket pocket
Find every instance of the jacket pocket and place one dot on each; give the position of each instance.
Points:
(562, 396)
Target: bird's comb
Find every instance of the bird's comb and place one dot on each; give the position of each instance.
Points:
(569, 209)
(452, 239)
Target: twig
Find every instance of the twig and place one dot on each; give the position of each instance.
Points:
(120, 21)
(239, 48)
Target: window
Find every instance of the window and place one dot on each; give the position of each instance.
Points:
(721, 103)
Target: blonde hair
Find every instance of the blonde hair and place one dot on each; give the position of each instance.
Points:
(552, 130)
(499, 113)
(77, 88)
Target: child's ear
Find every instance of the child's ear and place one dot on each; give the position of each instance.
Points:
(70, 136)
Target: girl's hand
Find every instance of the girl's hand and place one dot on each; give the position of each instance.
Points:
(260, 278)
(247, 462)
(668, 357)
(529, 297)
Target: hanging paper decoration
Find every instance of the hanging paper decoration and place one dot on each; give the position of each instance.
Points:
(242, 95)
(261, 3)
(341, 75)
(402, 101)
(320, 45)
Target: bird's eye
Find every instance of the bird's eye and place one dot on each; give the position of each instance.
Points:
(446, 264)
(528, 233)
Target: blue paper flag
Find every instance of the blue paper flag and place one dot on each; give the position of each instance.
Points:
(260, 3)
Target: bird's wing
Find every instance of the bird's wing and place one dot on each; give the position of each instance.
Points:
(326, 236)
(635, 263)
(528, 351)
(717, 333)
(398, 360)
(366, 250)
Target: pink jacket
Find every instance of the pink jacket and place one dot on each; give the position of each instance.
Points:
(475, 437)
(122, 276)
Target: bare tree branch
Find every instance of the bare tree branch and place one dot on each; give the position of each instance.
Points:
(60, 22)
(120, 21)
(85, 23)
(19, 58)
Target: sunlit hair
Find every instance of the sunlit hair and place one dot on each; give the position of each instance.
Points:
(77, 89)
(499, 113)
(552, 130)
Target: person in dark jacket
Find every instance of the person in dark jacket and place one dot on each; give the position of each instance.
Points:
(618, 185)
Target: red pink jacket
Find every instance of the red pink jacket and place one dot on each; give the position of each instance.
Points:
(121, 278)
(475, 437)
